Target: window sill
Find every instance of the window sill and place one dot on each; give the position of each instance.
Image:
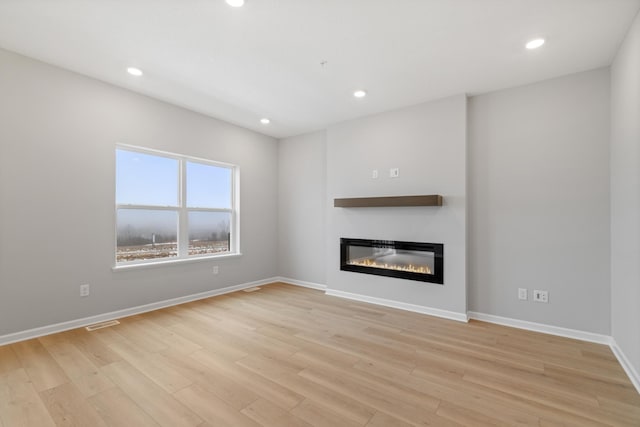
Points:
(155, 264)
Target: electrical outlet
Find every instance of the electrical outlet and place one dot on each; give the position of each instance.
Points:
(215, 269)
(85, 290)
(394, 172)
(522, 294)
(374, 174)
(540, 296)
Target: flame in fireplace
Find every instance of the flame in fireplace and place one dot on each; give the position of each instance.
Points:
(422, 269)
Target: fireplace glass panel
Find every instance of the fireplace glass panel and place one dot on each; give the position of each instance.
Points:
(392, 259)
(406, 260)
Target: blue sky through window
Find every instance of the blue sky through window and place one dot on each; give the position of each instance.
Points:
(144, 179)
(208, 186)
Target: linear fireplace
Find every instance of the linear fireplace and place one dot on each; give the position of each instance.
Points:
(404, 260)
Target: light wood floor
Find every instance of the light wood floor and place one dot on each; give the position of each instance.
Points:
(291, 356)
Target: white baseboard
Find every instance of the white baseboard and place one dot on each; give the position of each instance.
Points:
(460, 317)
(626, 365)
(302, 283)
(541, 327)
(86, 321)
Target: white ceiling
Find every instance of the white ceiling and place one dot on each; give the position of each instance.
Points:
(263, 60)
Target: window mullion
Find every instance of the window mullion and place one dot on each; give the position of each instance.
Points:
(183, 217)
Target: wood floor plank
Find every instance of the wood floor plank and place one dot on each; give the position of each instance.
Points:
(92, 383)
(315, 353)
(225, 388)
(71, 360)
(340, 403)
(594, 384)
(620, 410)
(469, 367)
(107, 335)
(495, 402)
(162, 406)
(117, 409)
(291, 356)
(39, 365)
(266, 413)
(212, 409)
(468, 417)
(143, 336)
(93, 347)
(448, 388)
(533, 390)
(320, 416)
(164, 317)
(60, 337)
(69, 408)
(176, 342)
(380, 419)
(521, 389)
(82, 372)
(384, 400)
(273, 391)
(219, 347)
(8, 360)
(280, 366)
(20, 405)
(151, 365)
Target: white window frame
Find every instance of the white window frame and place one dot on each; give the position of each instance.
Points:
(183, 211)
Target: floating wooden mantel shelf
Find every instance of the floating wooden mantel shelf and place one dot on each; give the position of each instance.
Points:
(390, 201)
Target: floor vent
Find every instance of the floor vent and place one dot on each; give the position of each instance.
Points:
(255, 288)
(102, 325)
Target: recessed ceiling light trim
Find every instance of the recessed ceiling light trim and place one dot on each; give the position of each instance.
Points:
(360, 93)
(235, 3)
(135, 71)
(265, 121)
(535, 43)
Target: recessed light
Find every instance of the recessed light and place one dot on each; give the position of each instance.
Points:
(134, 71)
(360, 94)
(265, 121)
(534, 44)
(235, 3)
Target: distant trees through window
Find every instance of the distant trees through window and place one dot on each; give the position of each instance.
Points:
(172, 206)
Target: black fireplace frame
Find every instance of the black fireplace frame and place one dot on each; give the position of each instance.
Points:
(437, 249)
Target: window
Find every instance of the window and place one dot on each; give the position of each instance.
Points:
(170, 206)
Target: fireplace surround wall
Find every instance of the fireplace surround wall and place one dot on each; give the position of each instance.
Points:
(427, 142)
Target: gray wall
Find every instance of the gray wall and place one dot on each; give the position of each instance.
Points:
(625, 196)
(301, 208)
(58, 132)
(428, 143)
(538, 197)
(539, 201)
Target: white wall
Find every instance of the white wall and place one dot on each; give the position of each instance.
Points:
(539, 201)
(428, 143)
(301, 208)
(625, 196)
(58, 132)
